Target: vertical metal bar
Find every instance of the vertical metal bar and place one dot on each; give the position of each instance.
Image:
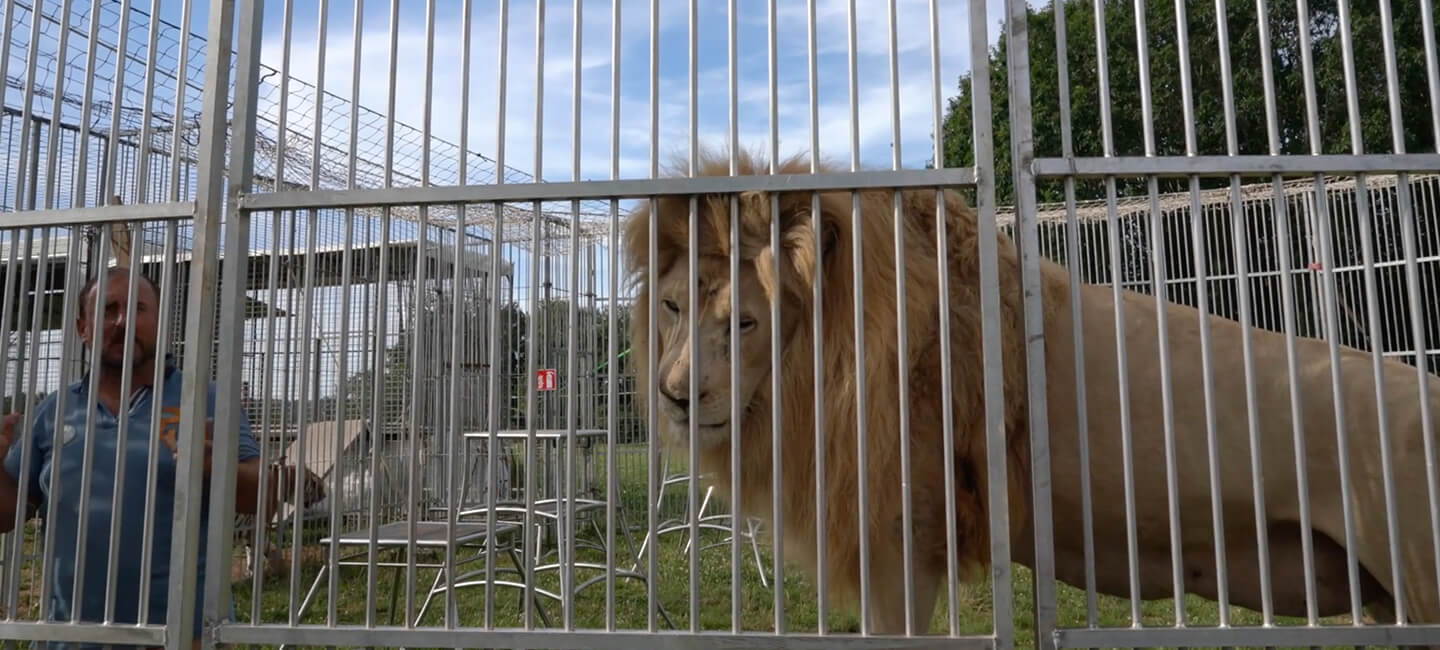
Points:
(287, 408)
(536, 310)
(492, 448)
(1198, 237)
(204, 269)
(612, 356)
(1073, 252)
(735, 411)
(1329, 311)
(35, 309)
(1022, 153)
(777, 535)
(62, 51)
(86, 103)
(1282, 224)
(858, 298)
(307, 317)
(817, 311)
(28, 152)
(16, 538)
(1417, 323)
(382, 317)
(572, 371)
(7, 35)
(454, 495)
(903, 371)
(692, 42)
(282, 118)
(652, 482)
(167, 306)
(92, 397)
(142, 184)
(1107, 136)
(122, 435)
(16, 313)
(1432, 78)
(942, 261)
(259, 540)
(1157, 269)
(117, 103)
(1241, 242)
(995, 440)
(1422, 354)
(19, 314)
(228, 411)
(342, 413)
(419, 407)
(182, 69)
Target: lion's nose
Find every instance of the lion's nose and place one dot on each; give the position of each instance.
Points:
(679, 402)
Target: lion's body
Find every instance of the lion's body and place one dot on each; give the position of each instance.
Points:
(883, 402)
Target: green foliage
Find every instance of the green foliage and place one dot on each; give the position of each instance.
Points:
(1261, 123)
(1168, 116)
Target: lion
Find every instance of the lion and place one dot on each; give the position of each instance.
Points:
(803, 253)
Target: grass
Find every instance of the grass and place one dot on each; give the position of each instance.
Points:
(713, 602)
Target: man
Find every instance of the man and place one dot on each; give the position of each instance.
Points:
(105, 336)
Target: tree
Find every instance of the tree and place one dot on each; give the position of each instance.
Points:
(1246, 74)
(1252, 132)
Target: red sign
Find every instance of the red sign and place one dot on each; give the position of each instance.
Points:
(545, 379)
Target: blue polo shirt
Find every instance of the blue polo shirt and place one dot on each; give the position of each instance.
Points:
(140, 436)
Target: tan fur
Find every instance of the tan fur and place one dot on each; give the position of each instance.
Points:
(800, 251)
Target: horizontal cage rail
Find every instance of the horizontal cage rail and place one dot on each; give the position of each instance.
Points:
(545, 638)
(1288, 165)
(582, 190)
(99, 214)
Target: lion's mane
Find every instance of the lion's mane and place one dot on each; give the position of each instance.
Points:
(842, 465)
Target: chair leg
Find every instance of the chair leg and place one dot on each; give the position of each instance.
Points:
(310, 594)
(394, 595)
(534, 600)
(755, 547)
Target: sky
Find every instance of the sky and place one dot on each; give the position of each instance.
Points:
(557, 139)
(557, 142)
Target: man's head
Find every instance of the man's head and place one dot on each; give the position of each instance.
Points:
(104, 331)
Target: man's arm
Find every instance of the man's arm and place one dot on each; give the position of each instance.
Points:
(9, 491)
(247, 486)
(248, 472)
(9, 468)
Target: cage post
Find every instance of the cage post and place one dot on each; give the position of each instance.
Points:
(199, 321)
(1022, 152)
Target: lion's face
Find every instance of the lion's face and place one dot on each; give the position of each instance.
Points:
(711, 408)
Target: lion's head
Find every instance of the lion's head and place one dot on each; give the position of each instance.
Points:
(758, 267)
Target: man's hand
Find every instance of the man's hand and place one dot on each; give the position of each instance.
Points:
(170, 431)
(8, 425)
(8, 491)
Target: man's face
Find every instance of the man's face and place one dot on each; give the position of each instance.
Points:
(105, 332)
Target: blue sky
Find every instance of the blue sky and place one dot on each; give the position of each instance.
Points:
(872, 62)
(873, 80)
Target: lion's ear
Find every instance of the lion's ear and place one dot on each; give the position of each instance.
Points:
(804, 251)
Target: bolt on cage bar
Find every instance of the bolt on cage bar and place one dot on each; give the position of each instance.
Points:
(497, 321)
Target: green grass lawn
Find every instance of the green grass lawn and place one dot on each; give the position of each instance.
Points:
(713, 587)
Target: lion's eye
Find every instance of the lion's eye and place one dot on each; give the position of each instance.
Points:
(672, 307)
(747, 324)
